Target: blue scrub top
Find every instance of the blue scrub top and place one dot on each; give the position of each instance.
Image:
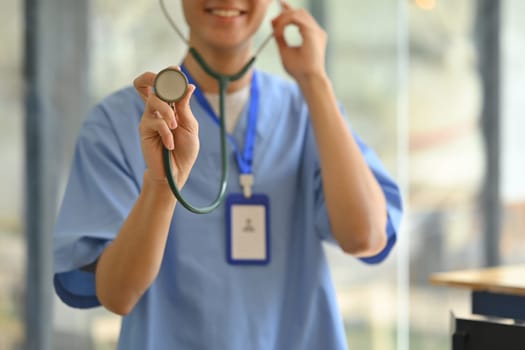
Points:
(198, 300)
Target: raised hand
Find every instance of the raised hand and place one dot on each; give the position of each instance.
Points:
(307, 60)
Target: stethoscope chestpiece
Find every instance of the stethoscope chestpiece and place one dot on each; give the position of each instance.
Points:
(170, 85)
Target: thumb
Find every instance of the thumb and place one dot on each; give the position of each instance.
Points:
(182, 107)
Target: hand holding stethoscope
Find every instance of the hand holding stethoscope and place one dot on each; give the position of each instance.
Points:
(172, 126)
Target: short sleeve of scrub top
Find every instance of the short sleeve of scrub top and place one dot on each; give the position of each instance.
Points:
(96, 202)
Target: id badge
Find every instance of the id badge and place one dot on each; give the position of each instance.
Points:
(248, 229)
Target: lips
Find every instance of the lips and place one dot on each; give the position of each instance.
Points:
(226, 13)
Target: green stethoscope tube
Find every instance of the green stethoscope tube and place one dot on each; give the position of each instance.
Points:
(223, 81)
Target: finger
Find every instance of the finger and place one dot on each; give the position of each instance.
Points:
(286, 36)
(166, 135)
(280, 22)
(184, 102)
(183, 109)
(157, 128)
(143, 84)
(280, 39)
(155, 104)
(299, 17)
(295, 29)
(285, 5)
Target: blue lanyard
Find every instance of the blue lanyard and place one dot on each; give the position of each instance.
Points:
(244, 159)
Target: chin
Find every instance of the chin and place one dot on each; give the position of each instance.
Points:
(230, 44)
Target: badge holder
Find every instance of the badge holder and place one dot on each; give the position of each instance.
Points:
(247, 228)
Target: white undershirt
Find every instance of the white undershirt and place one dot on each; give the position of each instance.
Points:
(234, 105)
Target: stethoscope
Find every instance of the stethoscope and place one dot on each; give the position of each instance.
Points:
(170, 86)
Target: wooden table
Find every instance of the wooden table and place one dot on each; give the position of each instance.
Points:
(496, 292)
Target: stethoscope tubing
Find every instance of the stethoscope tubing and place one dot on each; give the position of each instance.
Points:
(223, 81)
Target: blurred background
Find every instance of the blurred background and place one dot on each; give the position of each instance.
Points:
(435, 86)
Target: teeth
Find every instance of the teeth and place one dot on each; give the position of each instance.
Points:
(226, 13)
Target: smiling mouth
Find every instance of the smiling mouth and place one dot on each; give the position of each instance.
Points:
(227, 13)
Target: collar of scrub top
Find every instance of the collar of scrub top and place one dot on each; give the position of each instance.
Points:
(244, 158)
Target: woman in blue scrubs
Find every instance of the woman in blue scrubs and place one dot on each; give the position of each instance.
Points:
(251, 274)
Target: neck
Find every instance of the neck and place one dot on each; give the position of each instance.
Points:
(222, 62)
